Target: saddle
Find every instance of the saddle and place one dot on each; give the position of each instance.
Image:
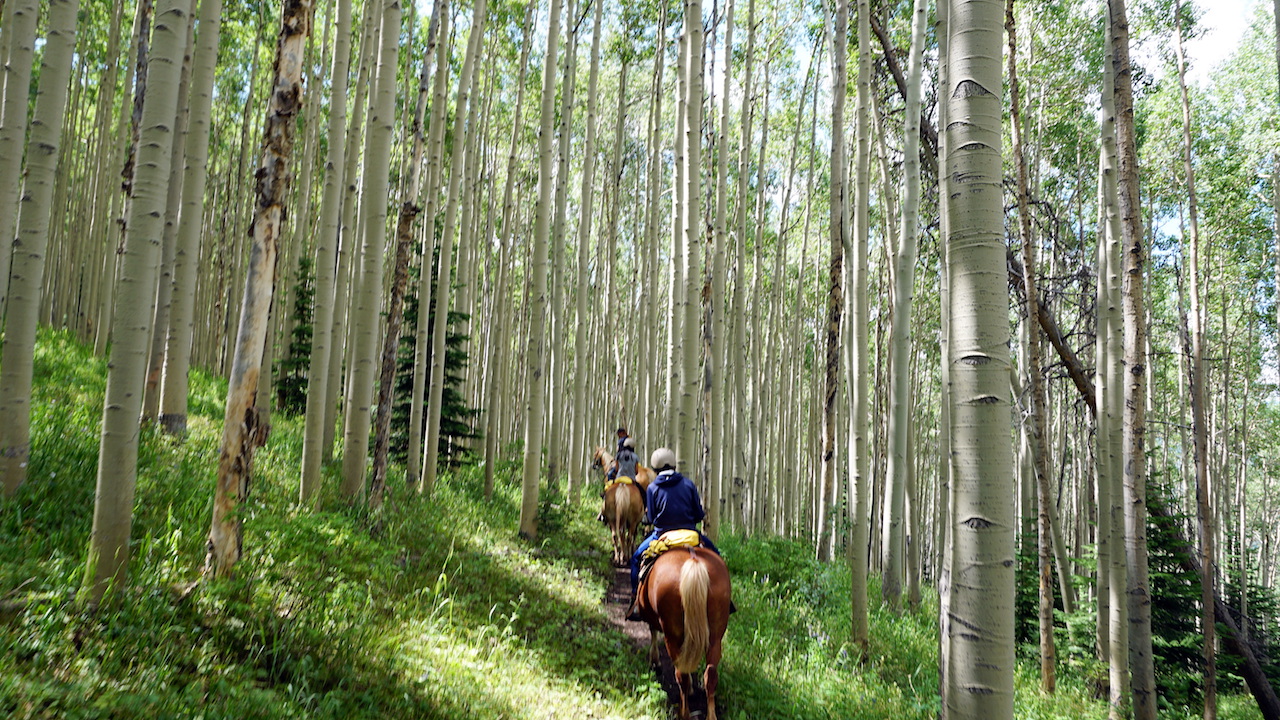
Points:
(668, 540)
(619, 481)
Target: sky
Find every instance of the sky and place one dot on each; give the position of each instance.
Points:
(1226, 21)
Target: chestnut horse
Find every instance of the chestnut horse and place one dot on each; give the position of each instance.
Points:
(623, 508)
(686, 598)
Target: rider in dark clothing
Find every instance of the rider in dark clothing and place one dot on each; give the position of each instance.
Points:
(671, 503)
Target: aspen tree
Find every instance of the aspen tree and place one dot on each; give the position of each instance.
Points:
(497, 348)
(979, 674)
(675, 264)
(326, 257)
(1111, 399)
(243, 430)
(13, 129)
(649, 355)
(834, 290)
(718, 375)
(444, 269)
(349, 228)
(118, 449)
(1137, 587)
(364, 319)
(556, 401)
(578, 448)
(404, 236)
(855, 338)
(177, 355)
(20, 316)
(904, 280)
(168, 244)
(946, 495)
(421, 344)
(1035, 385)
(690, 424)
(738, 342)
(535, 383)
(1204, 513)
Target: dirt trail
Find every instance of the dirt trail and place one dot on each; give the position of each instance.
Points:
(616, 600)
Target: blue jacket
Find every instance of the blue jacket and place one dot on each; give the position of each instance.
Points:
(673, 503)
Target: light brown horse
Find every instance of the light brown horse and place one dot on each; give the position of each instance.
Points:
(601, 460)
(623, 508)
(686, 598)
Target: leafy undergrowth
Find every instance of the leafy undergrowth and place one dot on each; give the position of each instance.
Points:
(441, 612)
(435, 609)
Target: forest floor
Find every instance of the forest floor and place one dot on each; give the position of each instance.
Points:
(436, 609)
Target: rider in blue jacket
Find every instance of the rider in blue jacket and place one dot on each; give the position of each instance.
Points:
(671, 503)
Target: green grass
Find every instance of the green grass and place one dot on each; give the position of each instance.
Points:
(442, 612)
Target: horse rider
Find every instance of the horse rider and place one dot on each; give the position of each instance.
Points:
(622, 442)
(671, 503)
(624, 465)
(626, 462)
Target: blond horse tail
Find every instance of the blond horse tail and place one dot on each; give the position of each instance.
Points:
(621, 506)
(694, 582)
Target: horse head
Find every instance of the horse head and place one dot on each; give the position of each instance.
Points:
(600, 458)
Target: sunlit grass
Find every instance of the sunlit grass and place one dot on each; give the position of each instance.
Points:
(431, 609)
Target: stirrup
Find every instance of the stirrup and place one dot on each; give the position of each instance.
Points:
(633, 610)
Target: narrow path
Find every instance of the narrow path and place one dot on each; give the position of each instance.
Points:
(616, 599)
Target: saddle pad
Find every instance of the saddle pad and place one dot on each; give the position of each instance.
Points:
(619, 481)
(672, 539)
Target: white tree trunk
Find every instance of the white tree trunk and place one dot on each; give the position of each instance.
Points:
(980, 635)
(243, 430)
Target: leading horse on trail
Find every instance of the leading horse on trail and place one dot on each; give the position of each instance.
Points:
(623, 506)
(686, 598)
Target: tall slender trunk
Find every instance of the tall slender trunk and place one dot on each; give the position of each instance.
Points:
(364, 318)
(168, 247)
(535, 383)
(500, 343)
(946, 494)
(690, 424)
(1111, 401)
(577, 451)
(118, 449)
(1137, 588)
(177, 356)
(718, 363)
(904, 280)
(431, 451)
(20, 319)
(326, 258)
(421, 342)
(835, 285)
(243, 431)
(409, 210)
(1204, 513)
(856, 348)
(21, 30)
(1035, 381)
(980, 667)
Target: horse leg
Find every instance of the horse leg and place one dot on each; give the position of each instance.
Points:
(711, 678)
(654, 656)
(686, 692)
